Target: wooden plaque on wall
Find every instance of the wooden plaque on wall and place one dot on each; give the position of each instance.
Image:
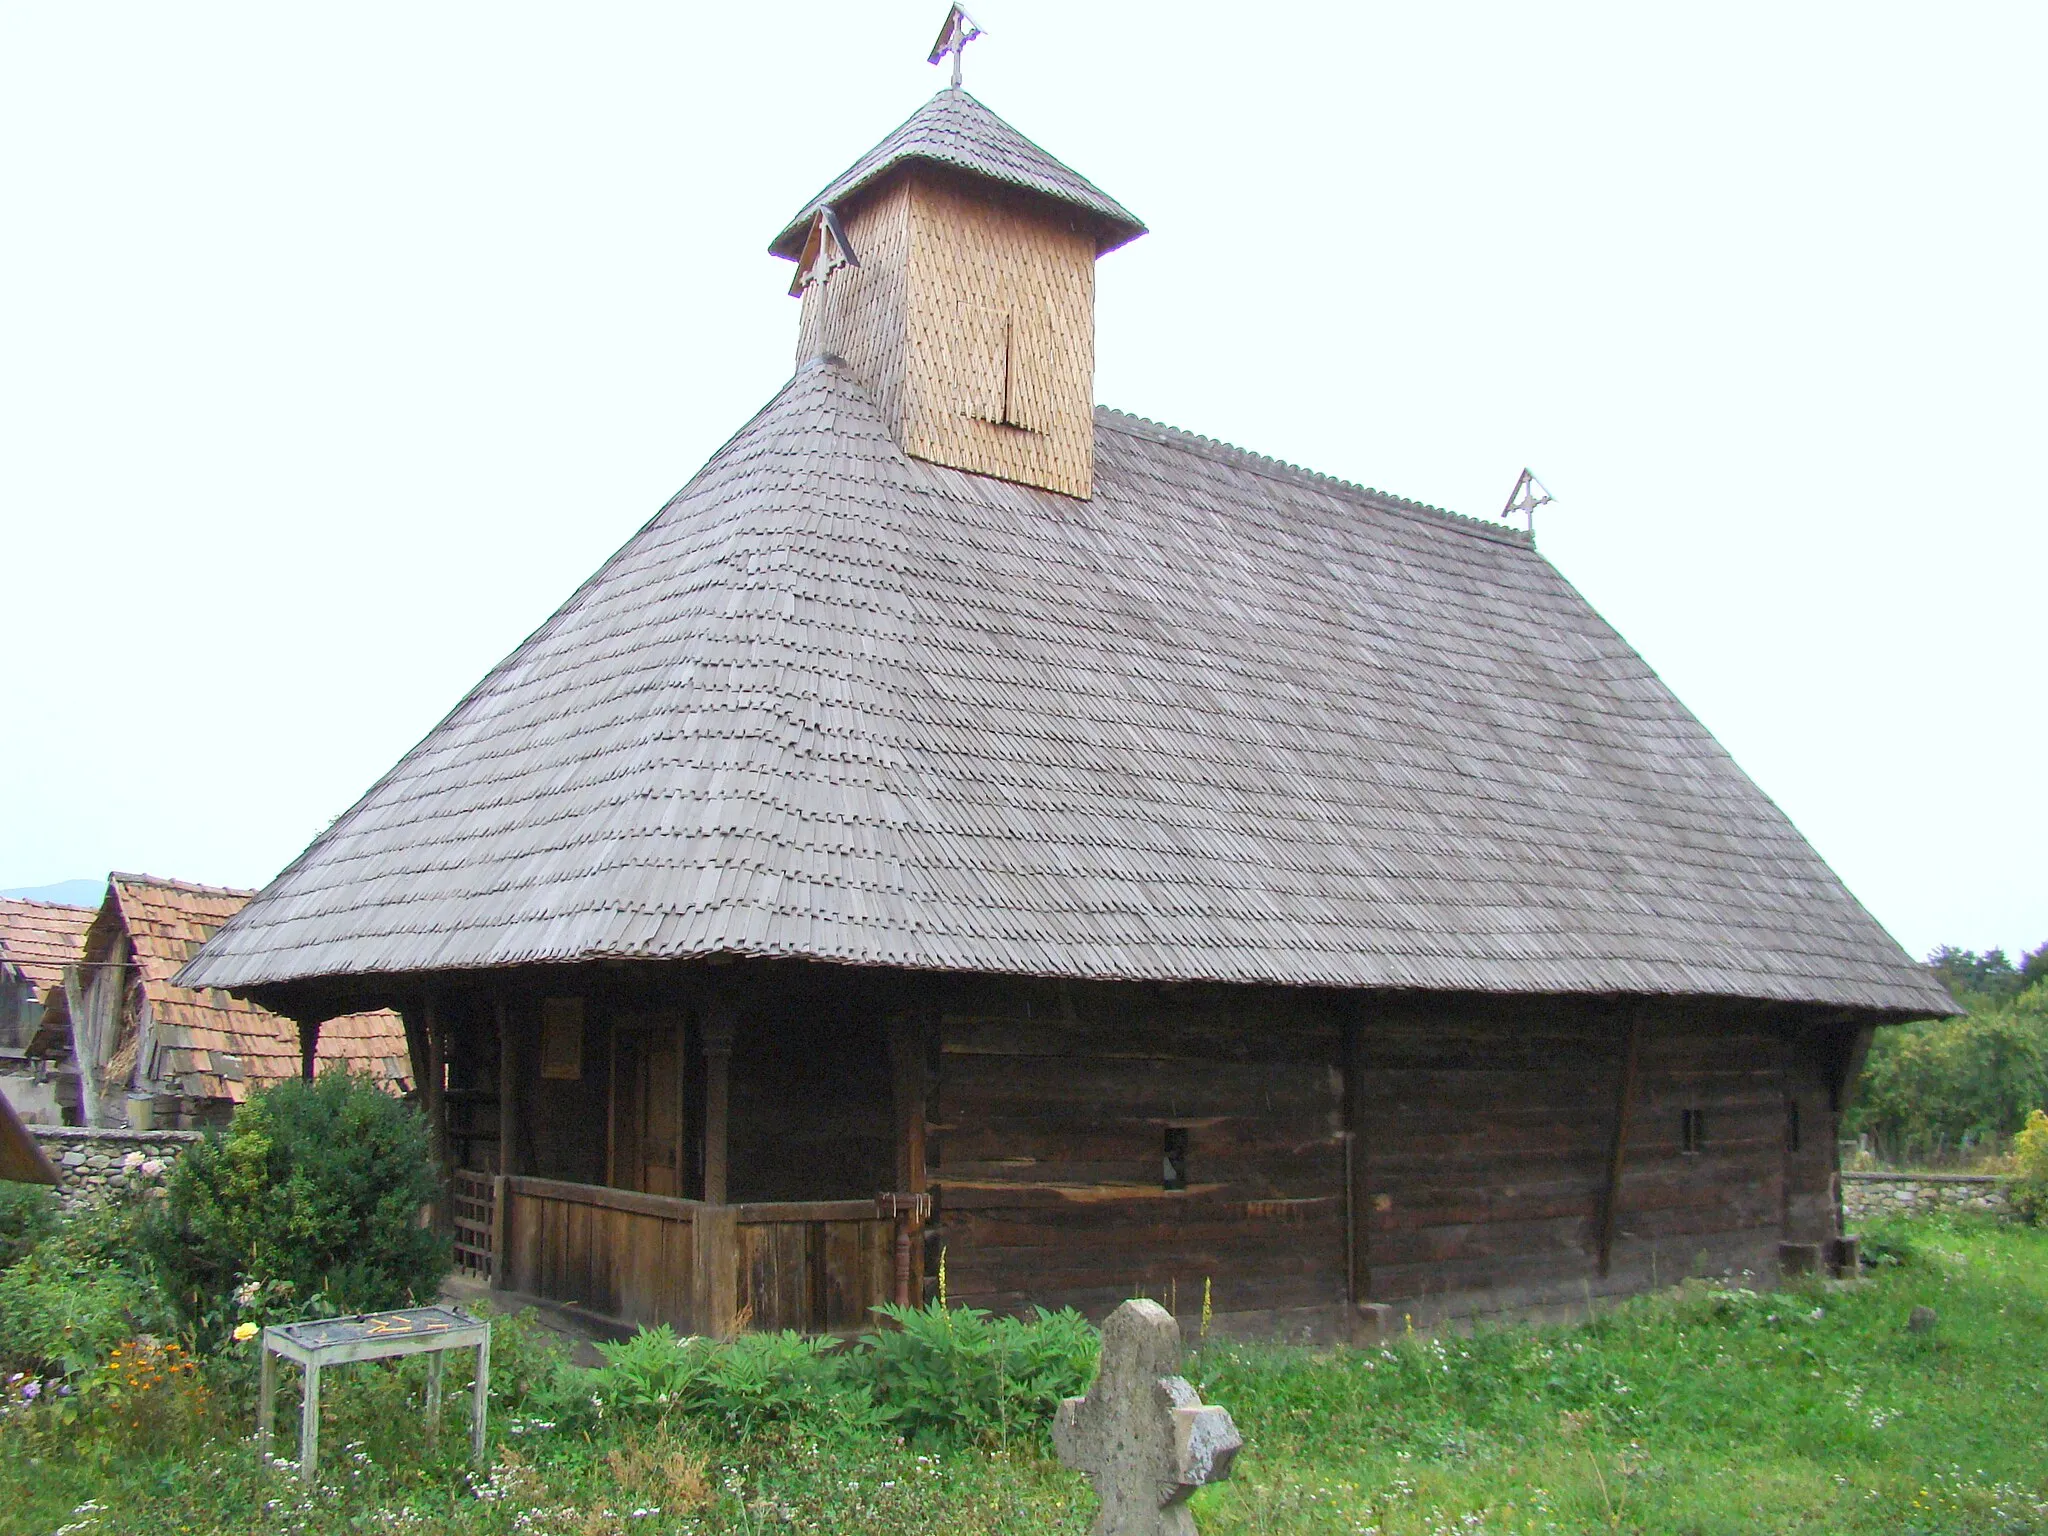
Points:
(561, 1038)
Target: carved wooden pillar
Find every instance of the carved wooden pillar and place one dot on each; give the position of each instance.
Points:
(720, 1022)
(908, 1041)
(309, 1049)
(434, 1100)
(714, 1228)
(509, 1160)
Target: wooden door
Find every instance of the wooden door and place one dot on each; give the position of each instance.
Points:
(647, 1109)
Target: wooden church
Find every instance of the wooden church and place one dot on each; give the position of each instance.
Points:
(971, 825)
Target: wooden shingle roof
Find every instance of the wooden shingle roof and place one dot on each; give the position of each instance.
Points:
(216, 1046)
(1225, 721)
(40, 938)
(955, 130)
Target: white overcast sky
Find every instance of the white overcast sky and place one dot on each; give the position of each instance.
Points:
(339, 342)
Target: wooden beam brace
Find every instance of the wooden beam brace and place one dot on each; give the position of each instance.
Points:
(1624, 1108)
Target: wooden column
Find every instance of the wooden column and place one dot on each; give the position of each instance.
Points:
(1617, 1147)
(714, 1225)
(908, 1041)
(434, 1099)
(309, 1049)
(509, 1160)
(1357, 1280)
(720, 1023)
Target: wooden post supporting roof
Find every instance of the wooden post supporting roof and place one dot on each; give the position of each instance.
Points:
(309, 1049)
(720, 1024)
(908, 1040)
(1357, 1283)
(1624, 1107)
(508, 1091)
(434, 1099)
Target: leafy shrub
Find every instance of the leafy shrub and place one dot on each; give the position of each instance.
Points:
(309, 1203)
(83, 1289)
(956, 1373)
(942, 1375)
(28, 1214)
(755, 1384)
(2029, 1189)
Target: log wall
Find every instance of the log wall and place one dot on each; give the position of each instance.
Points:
(1483, 1158)
(1053, 1103)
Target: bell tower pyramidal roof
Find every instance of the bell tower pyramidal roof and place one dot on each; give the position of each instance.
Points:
(952, 268)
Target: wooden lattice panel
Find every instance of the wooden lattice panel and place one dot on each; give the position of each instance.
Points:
(474, 1209)
(971, 319)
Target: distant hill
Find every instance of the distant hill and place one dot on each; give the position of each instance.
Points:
(74, 893)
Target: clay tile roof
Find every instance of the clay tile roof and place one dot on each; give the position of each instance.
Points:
(1227, 720)
(40, 938)
(955, 130)
(218, 1045)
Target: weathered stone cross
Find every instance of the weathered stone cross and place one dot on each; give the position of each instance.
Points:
(1141, 1434)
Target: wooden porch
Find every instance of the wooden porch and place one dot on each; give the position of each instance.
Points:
(816, 1266)
(607, 1156)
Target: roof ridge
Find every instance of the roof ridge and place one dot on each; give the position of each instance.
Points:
(166, 882)
(1281, 469)
(60, 906)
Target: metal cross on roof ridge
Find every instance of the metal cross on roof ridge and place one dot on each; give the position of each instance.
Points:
(960, 30)
(1529, 494)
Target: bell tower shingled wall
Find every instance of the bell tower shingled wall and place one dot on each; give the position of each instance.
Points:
(971, 319)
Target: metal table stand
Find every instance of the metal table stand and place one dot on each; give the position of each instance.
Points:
(430, 1331)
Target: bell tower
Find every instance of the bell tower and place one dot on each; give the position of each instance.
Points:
(953, 269)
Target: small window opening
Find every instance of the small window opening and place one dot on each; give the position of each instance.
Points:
(1791, 1125)
(1174, 1175)
(1692, 1130)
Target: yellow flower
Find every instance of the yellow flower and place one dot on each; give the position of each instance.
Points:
(244, 1332)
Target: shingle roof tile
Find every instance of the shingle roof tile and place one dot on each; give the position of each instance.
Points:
(1228, 720)
(953, 129)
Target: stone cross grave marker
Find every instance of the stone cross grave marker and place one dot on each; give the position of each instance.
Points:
(1141, 1434)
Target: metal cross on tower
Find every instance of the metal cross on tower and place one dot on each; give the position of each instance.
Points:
(954, 37)
(1528, 495)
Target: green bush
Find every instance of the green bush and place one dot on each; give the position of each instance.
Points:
(956, 1373)
(759, 1383)
(310, 1203)
(2029, 1191)
(28, 1214)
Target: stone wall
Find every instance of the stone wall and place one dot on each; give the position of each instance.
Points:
(1865, 1195)
(96, 1164)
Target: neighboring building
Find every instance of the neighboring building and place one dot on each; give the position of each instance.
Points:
(38, 939)
(1149, 866)
(152, 1055)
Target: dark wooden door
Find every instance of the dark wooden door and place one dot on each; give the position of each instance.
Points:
(647, 1110)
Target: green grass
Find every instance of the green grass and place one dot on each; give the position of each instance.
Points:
(1692, 1414)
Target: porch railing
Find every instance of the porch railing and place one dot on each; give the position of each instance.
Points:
(472, 1204)
(815, 1266)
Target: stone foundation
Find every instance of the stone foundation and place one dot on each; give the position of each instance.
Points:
(95, 1165)
(1865, 1195)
